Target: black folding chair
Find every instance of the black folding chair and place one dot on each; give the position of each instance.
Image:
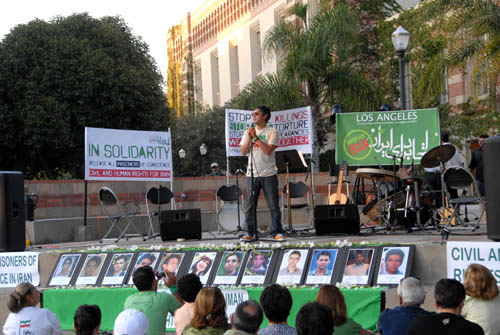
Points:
(456, 177)
(115, 211)
(228, 206)
(297, 190)
(157, 196)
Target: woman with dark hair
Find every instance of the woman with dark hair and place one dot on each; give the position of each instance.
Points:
(482, 301)
(209, 316)
(331, 296)
(87, 320)
(202, 266)
(65, 270)
(26, 316)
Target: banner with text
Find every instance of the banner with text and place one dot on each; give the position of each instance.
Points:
(460, 254)
(293, 125)
(113, 154)
(19, 267)
(374, 137)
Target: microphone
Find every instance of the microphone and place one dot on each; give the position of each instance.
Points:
(401, 159)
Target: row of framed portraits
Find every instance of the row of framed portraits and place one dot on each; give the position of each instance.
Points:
(381, 265)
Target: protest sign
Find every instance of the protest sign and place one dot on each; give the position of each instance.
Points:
(375, 137)
(113, 154)
(19, 267)
(293, 125)
(460, 254)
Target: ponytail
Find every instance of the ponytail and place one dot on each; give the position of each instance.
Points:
(17, 299)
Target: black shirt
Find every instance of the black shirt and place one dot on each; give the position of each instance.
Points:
(443, 324)
(476, 162)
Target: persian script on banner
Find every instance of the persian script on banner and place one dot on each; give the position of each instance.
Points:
(113, 154)
(293, 125)
(374, 138)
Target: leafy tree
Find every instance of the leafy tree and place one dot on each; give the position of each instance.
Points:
(319, 54)
(60, 76)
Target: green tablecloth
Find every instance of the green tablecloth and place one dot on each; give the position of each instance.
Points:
(363, 305)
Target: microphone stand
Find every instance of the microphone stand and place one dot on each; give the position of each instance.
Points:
(253, 189)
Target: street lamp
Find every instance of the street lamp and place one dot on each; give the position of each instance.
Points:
(400, 38)
(182, 155)
(203, 152)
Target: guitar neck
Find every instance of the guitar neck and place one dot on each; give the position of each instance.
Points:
(339, 183)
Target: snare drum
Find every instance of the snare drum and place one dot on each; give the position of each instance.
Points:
(227, 218)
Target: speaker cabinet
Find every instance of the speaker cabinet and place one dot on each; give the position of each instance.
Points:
(12, 225)
(180, 223)
(336, 219)
(491, 162)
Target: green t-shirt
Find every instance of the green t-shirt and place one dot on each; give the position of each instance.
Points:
(156, 306)
(349, 327)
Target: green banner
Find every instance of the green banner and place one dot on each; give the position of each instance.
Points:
(363, 304)
(374, 138)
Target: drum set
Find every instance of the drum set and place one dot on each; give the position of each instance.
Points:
(398, 199)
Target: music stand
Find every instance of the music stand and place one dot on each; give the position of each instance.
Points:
(290, 161)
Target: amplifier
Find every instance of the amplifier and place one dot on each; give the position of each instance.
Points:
(180, 223)
(336, 219)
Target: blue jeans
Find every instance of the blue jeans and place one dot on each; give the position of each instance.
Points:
(270, 187)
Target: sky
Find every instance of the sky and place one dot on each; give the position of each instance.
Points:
(149, 19)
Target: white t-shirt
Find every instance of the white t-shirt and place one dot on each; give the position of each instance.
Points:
(265, 165)
(33, 321)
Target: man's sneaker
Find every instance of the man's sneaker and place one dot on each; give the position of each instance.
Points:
(279, 238)
(247, 238)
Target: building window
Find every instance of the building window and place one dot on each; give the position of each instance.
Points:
(214, 60)
(234, 68)
(255, 51)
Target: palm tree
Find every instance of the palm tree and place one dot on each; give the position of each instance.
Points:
(319, 53)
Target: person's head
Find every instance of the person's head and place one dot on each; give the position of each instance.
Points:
(214, 166)
(331, 296)
(232, 263)
(314, 318)
(24, 295)
(189, 285)
(445, 137)
(146, 260)
(202, 266)
(480, 283)
(209, 309)
(276, 301)
(323, 260)
(87, 320)
(247, 317)
(481, 139)
(144, 278)
(261, 114)
(449, 294)
(258, 260)
(172, 263)
(411, 292)
(92, 265)
(131, 322)
(293, 259)
(393, 260)
(359, 257)
(119, 263)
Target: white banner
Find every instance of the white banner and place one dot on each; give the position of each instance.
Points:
(460, 254)
(19, 267)
(113, 154)
(293, 125)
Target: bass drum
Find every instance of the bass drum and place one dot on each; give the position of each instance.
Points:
(227, 218)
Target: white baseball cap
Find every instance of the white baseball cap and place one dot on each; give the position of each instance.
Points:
(131, 322)
(214, 164)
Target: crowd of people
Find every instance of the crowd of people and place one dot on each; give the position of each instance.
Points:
(468, 308)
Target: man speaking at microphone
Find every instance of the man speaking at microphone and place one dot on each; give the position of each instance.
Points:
(259, 144)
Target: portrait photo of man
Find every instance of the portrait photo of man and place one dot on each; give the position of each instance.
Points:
(229, 267)
(144, 259)
(393, 265)
(358, 262)
(91, 269)
(65, 269)
(292, 266)
(258, 263)
(321, 268)
(117, 269)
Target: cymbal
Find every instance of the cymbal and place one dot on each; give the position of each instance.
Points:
(438, 155)
(376, 174)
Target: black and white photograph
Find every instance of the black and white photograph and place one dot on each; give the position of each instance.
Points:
(117, 269)
(91, 269)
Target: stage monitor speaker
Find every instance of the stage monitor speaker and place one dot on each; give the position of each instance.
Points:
(336, 219)
(180, 223)
(12, 225)
(491, 162)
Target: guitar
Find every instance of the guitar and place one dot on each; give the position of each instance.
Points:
(339, 198)
(445, 213)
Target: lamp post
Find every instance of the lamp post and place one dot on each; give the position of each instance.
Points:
(182, 155)
(400, 38)
(203, 152)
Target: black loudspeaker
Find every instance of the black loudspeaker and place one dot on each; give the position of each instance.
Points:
(336, 219)
(12, 225)
(180, 223)
(491, 162)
